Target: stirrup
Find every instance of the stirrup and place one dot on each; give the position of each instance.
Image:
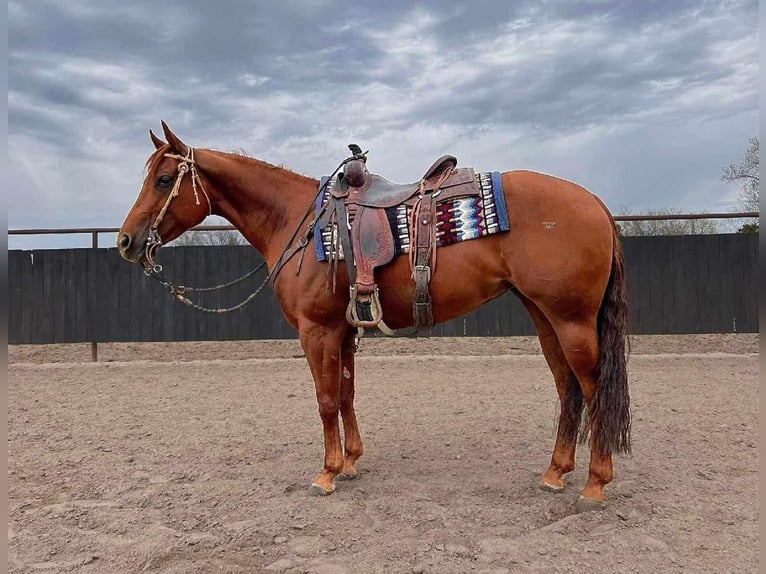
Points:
(364, 310)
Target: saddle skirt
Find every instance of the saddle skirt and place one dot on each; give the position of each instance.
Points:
(457, 218)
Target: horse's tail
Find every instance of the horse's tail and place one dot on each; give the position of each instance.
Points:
(610, 409)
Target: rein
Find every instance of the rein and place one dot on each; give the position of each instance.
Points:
(154, 241)
(179, 291)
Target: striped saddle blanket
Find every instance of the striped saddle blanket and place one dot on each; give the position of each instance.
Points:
(457, 220)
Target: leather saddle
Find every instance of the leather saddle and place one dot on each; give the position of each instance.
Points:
(362, 198)
(372, 190)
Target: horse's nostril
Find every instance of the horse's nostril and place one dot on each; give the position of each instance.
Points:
(124, 241)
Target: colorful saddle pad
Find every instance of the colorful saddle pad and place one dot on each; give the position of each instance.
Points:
(456, 220)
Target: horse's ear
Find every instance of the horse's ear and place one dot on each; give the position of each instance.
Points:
(158, 143)
(173, 140)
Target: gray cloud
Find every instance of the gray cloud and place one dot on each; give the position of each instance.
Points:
(627, 98)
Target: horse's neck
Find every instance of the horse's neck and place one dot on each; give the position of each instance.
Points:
(264, 202)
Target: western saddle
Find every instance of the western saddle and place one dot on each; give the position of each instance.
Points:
(361, 199)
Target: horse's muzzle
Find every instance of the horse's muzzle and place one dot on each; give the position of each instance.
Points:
(129, 248)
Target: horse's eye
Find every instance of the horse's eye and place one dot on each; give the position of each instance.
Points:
(164, 180)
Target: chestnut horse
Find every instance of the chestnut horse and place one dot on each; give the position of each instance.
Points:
(562, 257)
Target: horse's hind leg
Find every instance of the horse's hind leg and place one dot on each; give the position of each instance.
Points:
(351, 438)
(570, 397)
(580, 344)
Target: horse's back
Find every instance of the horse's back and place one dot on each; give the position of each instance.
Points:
(530, 194)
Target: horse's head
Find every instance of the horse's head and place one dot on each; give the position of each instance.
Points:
(172, 200)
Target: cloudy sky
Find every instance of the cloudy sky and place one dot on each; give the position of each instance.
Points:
(641, 102)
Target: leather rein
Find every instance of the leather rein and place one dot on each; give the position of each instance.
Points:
(186, 165)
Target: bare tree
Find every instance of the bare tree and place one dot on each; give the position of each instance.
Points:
(221, 237)
(667, 226)
(746, 173)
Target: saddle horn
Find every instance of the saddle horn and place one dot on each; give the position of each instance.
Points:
(357, 152)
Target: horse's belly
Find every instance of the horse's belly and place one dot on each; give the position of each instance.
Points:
(464, 279)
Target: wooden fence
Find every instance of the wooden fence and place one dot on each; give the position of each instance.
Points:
(682, 284)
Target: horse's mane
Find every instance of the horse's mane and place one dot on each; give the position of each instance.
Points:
(239, 155)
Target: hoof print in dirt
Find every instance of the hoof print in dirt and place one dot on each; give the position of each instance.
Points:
(293, 487)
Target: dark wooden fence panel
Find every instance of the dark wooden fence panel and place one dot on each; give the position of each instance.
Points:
(684, 284)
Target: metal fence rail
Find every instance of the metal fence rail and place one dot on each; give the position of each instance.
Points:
(94, 232)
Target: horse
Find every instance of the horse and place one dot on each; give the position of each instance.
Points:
(562, 257)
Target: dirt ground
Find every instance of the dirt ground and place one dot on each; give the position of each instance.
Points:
(195, 457)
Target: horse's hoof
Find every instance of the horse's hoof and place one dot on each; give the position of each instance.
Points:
(585, 504)
(346, 476)
(551, 488)
(316, 490)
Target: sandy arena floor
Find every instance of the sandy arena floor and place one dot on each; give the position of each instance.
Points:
(195, 457)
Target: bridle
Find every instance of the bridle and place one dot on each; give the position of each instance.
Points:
(297, 242)
(186, 164)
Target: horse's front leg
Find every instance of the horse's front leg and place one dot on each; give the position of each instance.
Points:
(351, 438)
(322, 345)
